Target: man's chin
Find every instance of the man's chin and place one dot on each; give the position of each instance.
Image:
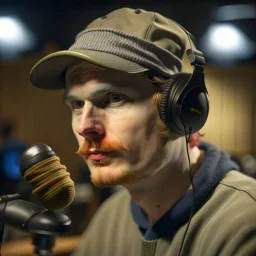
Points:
(101, 163)
(108, 178)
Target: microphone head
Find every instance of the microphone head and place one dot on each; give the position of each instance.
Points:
(50, 180)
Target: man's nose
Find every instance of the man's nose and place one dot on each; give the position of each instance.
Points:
(90, 124)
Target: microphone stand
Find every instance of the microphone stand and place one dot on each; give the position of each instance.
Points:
(42, 223)
(43, 244)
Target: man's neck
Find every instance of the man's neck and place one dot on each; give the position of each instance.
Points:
(158, 193)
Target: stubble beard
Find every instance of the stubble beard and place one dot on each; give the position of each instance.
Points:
(99, 169)
(119, 176)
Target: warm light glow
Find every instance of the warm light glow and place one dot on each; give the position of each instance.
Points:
(9, 29)
(225, 43)
(224, 38)
(14, 37)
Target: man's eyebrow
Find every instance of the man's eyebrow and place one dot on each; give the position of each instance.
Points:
(94, 94)
(67, 97)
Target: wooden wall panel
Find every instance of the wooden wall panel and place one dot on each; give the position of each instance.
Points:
(228, 115)
(213, 126)
(41, 115)
(244, 122)
(230, 123)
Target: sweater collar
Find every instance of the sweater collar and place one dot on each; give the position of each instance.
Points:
(214, 167)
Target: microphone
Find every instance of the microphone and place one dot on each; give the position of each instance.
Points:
(50, 180)
(32, 217)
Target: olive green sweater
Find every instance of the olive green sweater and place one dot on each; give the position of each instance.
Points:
(224, 226)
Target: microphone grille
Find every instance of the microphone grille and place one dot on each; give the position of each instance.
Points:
(51, 183)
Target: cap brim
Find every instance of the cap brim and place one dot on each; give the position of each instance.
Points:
(49, 72)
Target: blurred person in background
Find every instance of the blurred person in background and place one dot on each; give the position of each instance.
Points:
(248, 162)
(122, 83)
(11, 148)
(11, 182)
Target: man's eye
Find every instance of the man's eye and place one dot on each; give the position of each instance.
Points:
(77, 104)
(115, 98)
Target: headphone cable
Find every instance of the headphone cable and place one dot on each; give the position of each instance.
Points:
(193, 190)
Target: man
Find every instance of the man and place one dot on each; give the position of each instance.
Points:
(115, 78)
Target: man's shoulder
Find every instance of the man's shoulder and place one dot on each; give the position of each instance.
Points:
(227, 220)
(240, 184)
(232, 202)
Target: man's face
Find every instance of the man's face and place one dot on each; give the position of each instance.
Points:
(114, 120)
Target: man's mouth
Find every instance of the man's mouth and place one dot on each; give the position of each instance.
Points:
(98, 155)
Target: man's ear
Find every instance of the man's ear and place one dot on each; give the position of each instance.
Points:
(194, 139)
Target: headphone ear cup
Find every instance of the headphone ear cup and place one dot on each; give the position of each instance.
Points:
(194, 109)
(176, 83)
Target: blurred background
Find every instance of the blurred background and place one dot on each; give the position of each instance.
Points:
(225, 32)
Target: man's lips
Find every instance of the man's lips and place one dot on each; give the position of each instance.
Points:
(98, 155)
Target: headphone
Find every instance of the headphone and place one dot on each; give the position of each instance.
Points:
(184, 105)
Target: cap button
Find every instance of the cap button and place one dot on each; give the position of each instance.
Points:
(104, 17)
(137, 11)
